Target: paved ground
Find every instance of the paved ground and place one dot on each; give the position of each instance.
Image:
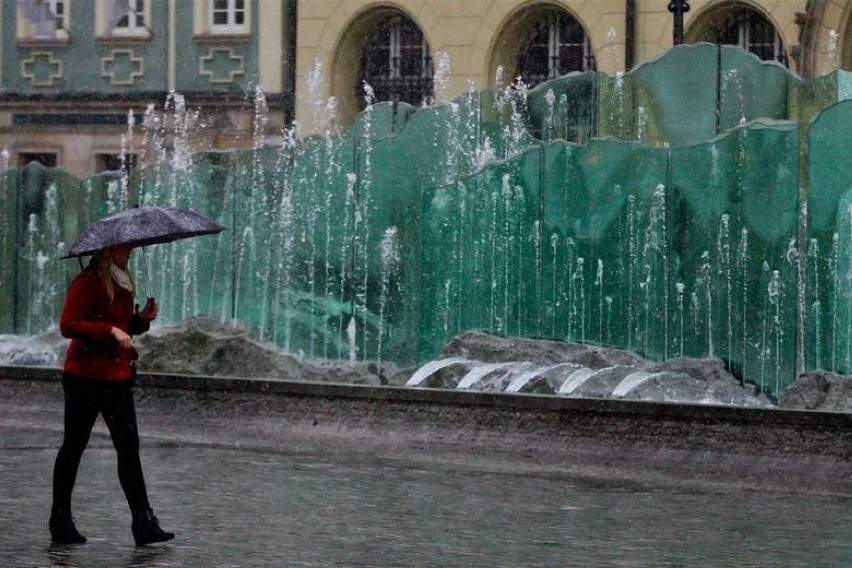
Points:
(235, 501)
(233, 507)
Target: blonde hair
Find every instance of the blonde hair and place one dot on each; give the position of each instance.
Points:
(102, 264)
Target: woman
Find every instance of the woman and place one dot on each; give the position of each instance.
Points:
(100, 318)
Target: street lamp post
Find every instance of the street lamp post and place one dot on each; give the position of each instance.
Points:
(678, 8)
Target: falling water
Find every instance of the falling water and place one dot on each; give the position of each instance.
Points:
(632, 247)
(151, 153)
(796, 271)
(493, 256)
(441, 79)
(847, 283)
(246, 259)
(775, 291)
(554, 299)
(363, 204)
(352, 337)
(4, 205)
(680, 287)
(41, 251)
(549, 117)
(655, 261)
(732, 87)
(461, 264)
(507, 194)
(260, 120)
(333, 171)
(833, 58)
(641, 123)
(285, 233)
(834, 273)
(742, 265)
(723, 250)
(126, 140)
(181, 125)
(389, 270)
(314, 82)
(705, 275)
(816, 306)
(619, 106)
(612, 46)
(189, 282)
(346, 251)
(578, 299)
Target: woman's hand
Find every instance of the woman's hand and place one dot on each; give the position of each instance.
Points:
(124, 340)
(150, 311)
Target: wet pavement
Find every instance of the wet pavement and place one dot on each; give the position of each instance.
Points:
(238, 506)
(256, 479)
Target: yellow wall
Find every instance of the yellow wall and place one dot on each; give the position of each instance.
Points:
(477, 37)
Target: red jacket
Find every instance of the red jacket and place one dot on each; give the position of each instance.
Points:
(87, 320)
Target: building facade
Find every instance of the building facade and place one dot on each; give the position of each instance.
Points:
(484, 44)
(83, 82)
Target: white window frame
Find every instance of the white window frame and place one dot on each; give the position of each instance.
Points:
(231, 27)
(133, 27)
(27, 31)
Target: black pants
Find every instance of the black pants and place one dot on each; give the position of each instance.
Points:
(84, 400)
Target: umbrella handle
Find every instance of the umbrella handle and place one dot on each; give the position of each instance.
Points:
(147, 269)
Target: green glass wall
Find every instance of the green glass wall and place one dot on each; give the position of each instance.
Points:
(700, 218)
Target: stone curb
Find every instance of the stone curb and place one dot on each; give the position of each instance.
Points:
(787, 450)
(514, 401)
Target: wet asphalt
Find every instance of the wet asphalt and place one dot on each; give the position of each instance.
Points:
(236, 503)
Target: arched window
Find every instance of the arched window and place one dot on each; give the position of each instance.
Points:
(397, 64)
(557, 44)
(744, 27)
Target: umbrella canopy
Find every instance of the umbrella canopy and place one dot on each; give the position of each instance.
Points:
(142, 226)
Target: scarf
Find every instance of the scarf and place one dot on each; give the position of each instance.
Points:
(122, 277)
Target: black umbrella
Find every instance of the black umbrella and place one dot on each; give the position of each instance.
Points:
(142, 226)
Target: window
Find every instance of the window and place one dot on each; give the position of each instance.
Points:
(748, 29)
(557, 45)
(227, 16)
(397, 64)
(47, 159)
(752, 32)
(115, 162)
(43, 19)
(129, 18)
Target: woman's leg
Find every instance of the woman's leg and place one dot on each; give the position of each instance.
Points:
(81, 411)
(119, 412)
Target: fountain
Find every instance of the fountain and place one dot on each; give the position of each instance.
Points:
(696, 206)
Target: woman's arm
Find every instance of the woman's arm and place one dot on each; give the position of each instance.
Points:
(77, 320)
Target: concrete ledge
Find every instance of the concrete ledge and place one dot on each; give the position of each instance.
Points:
(518, 401)
(791, 450)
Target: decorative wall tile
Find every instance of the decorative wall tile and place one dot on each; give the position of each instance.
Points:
(221, 65)
(121, 67)
(42, 69)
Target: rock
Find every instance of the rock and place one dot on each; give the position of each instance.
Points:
(208, 346)
(492, 349)
(46, 350)
(818, 390)
(205, 346)
(718, 385)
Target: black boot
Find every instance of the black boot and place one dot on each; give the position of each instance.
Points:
(146, 529)
(62, 529)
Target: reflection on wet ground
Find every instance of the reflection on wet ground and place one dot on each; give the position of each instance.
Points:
(233, 506)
